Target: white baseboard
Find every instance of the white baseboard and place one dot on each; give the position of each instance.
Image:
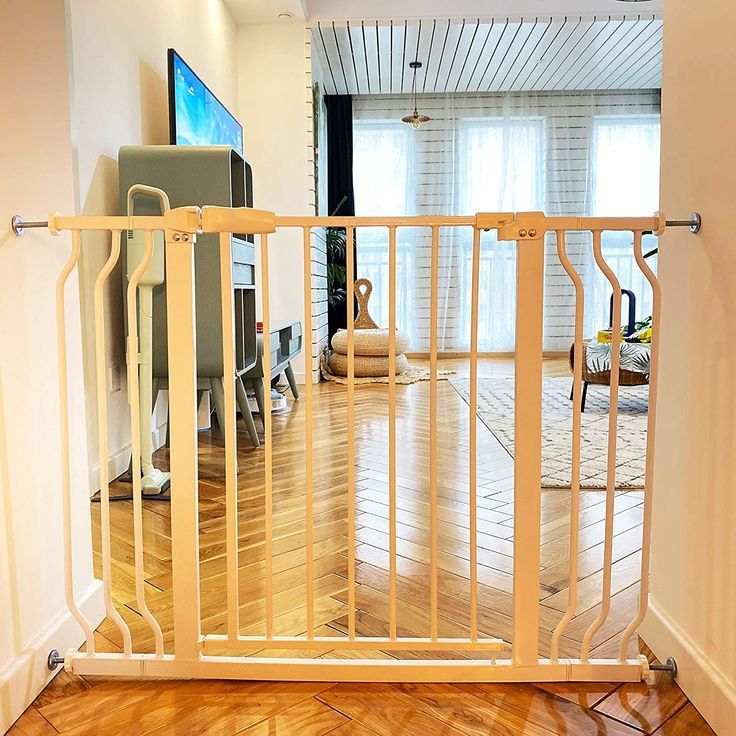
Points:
(120, 460)
(24, 678)
(298, 375)
(116, 465)
(707, 687)
(159, 437)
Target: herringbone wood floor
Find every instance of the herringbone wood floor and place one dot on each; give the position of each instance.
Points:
(74, 705)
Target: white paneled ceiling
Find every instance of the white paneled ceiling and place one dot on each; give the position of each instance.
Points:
(348, 9)
(489, 55)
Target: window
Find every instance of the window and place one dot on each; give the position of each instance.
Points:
(381, 154)
(502, 164)
(625, 165)
(501, 169)
(563, 153)
(625, 172)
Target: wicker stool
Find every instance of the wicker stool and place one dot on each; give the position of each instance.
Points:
(603, 378)
(370, 342)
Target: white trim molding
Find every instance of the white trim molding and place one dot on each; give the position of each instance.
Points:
(119, 461)
(27, 675)
(705, 685)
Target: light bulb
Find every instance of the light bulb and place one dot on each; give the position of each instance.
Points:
(415, 124)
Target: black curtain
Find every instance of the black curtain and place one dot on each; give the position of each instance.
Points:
(340, 195)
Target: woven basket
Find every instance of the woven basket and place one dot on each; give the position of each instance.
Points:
(366, 365)
(603, 378)
(369, 342)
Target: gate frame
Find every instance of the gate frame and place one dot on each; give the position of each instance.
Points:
(191, 660)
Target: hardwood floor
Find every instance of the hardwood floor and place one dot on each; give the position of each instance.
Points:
(74, 705)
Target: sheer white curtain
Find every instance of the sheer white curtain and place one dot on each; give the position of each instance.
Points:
(625, 178)
(501, 168)
(564, 153)
(382, 184)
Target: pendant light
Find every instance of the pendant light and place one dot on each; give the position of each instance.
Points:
(415, 119)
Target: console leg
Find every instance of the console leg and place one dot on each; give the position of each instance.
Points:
(245, 411)
(260, 398)
(218, 397)
(292, 380)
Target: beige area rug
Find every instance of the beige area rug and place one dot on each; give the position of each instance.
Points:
(496, 411)
(412, 374)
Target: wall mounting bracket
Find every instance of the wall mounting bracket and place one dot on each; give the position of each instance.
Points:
(18, 226)
(669, 666)
(54, 659)
(693, 223)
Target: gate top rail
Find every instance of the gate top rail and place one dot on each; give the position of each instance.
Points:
(211, 219)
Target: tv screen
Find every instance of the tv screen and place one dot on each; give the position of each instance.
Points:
(196, 116)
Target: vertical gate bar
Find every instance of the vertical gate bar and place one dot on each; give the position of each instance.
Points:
(350, 278)
(651, 426)
(268, 449)
(134, 399)
(102, 442)
(473, 435)
(308, 436)
(527, 445)
(66, 497)
(575, 450)
(433, 429)
(229, 432)
(612, 437)
(182, 355)
(392, 430)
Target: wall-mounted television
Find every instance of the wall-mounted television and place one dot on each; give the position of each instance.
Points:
(196, 116)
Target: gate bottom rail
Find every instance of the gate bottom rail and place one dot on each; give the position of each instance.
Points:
(343, 670)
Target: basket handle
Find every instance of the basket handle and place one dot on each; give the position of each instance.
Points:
(363, 320)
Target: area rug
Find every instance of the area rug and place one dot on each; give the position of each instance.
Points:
(496, 411)
(412, 374)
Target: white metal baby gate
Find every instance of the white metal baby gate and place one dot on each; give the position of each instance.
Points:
(194, 653)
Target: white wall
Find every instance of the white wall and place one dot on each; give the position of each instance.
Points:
(693, 596)
(120, 98)
(274, 73)
(85, 77)
(37, 178)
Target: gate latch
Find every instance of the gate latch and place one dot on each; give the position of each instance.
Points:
(525, 226)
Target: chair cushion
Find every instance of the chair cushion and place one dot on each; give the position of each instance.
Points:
(369, 342)
(366, 365)
(634, 364)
